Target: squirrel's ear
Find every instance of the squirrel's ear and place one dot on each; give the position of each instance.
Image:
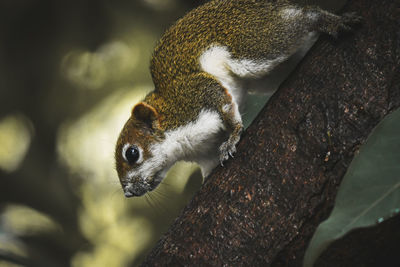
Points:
(145, 113)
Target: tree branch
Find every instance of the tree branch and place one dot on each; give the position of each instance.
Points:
(264, 205)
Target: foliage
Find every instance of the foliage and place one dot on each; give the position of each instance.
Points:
(370, 190)
(69, 74)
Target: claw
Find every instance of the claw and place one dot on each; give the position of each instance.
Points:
(227, 150)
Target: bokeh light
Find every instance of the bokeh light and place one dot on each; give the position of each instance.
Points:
(15, 137)
(24, 221)
(77, 72)
(87, 145)
(160, 4)
(111, 222)
(91, 70)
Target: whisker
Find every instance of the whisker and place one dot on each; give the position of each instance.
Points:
(159, 195)
(162, 194)
(165, 183)
(152, 206)
(156, 202)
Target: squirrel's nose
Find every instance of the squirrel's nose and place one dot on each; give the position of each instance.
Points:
(133, 191)
(127, 193)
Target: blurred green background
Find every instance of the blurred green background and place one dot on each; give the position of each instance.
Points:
(70, 72)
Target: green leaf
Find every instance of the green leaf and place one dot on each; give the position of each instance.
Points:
(370, 190)
(254, 104)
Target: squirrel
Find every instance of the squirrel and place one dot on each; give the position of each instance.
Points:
(197, 68)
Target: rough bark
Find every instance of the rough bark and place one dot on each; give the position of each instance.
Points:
(263, 206)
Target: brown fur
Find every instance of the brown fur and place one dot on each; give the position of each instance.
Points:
(250, 29)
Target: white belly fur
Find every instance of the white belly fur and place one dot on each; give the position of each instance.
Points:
(198, 141)
(217, 61)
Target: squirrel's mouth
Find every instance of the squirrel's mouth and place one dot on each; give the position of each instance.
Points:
(134, 191)
(139, 189)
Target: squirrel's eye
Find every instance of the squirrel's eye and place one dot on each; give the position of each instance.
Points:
(132, 154)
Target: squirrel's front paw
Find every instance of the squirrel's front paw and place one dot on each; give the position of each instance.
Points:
(227, 149)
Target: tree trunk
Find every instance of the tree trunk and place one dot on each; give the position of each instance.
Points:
(263, 206)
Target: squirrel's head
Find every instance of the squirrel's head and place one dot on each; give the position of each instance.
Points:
(140, 167)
